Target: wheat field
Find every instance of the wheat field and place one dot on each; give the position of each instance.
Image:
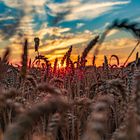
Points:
(42, 101)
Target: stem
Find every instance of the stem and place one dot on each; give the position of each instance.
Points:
(131, 53)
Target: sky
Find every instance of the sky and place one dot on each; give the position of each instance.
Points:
(62, 23)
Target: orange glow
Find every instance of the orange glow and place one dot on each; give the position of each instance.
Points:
(120, 47)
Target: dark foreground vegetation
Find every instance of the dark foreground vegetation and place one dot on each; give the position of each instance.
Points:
(42, 101)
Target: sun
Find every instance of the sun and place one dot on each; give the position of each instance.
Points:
(60, 65)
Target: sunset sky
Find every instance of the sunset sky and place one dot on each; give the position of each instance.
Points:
(62, 23)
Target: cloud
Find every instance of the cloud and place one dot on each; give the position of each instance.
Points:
(57, 48)
(6, 18)
(65, 42)
(112, 32)
(30, 9)
(35, 14)
(79, 25)
(84, 11)
(54, 41)
(120, 47)
(13, 4)
(52, 31)
(88, 32)
(21, 3)
(9, 20)
(51, 48)
(137, 19)
(100, 30)
(117, 44)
